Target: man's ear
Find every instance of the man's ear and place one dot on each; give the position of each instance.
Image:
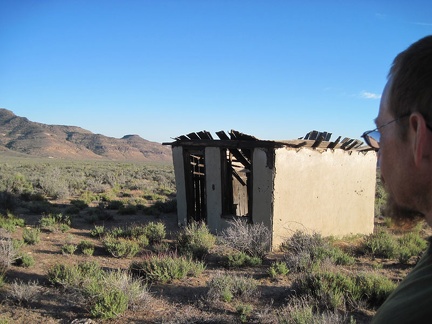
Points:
(419, 138)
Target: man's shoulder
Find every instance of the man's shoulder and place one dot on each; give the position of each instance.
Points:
(411, 300)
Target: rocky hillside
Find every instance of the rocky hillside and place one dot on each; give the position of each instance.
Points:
(19, 135)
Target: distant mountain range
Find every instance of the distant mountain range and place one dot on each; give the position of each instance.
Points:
(19, 136)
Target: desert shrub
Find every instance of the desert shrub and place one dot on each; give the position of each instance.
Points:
(86, 247)
(277, 269)
(98, 231)
(131, 289)
(309, 251)
(410, 244)
(374, 288)
(68, 248)
(244, 311)
(241, 259)
(24, 260)
(339, 290)
(305, 310)
(66, 276)
(195, 240)
(9, 222)
(155, 232)
(381, 244)
(22, 292)
(109, 304)
(226, 287)
(88, 197)
(253, 239)
(8, 253)
(55, 222)
(165, 268)
(54, 186)
(135, 231)
(31, 235)
(74, 276)
(106, 294)
(120, 247)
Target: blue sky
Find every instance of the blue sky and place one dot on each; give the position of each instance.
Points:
(159, 69)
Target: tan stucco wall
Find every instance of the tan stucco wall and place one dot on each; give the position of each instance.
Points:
(213, 188)
(262, 192)
(178, 161)
(330, 192)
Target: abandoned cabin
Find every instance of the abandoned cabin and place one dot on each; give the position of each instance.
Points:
(310, 184)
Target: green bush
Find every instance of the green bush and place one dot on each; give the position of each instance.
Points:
(195, 240)
(64, 275)
(155, 232)
(24, 260)
(165, 268)
(86, 247)
(308, 251)
(340, 290)
(277, 269)
(410, 244)
(55, 222)
(120, 247)
(226, 287)
(109, 304)
(241, 259)
(68, 248)
(98, 231)
(31, 235)
(10, 222)
(381, 244)
(106, 294)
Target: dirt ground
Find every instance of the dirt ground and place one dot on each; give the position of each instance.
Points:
(177, 302)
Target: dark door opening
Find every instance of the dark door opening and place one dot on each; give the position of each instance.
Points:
(237, 182)
(195, 185)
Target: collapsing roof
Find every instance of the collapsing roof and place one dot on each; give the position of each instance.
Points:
(236, 139)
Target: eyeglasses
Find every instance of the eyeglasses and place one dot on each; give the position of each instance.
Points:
(372, 137)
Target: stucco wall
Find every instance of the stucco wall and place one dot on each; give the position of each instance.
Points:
(262, 192)
(329, 192)
(179, 172)
(213, 188)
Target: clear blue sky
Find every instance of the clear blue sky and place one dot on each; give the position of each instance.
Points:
(159, 69)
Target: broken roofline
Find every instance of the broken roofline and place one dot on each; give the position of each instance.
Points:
(239, 140)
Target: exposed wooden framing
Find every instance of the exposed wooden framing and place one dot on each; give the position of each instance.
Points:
(239, 144)
(346, 144)
(193, 136)
(222, 135)
(333, 144)
(205, 135)
(318, 141)
(237, 176)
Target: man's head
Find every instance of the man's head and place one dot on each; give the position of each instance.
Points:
(411, 81)
(405, 143)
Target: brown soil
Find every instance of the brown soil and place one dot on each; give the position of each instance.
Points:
(177, 302)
